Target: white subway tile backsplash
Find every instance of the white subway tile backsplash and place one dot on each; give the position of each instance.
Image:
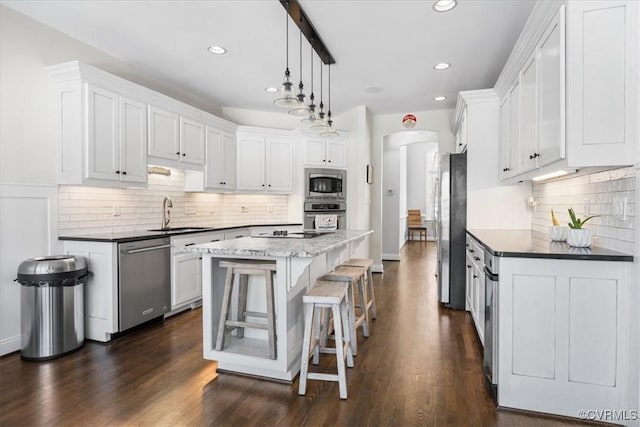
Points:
(601, 189)
(88, 210)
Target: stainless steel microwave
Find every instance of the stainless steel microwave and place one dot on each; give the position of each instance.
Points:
(325, 184)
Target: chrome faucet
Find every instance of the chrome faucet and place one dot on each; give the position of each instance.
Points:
(166, 213)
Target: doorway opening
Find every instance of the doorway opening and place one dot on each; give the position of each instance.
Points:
(409, 181)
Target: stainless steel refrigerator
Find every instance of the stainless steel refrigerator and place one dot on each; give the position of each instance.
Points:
(451, 225)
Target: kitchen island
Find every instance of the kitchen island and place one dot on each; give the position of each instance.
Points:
(299, 262)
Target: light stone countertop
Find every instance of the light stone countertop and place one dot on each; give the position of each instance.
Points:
(280, 247)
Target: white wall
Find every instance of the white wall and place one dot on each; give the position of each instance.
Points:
(402, 199)
(391, 202)
(386, 124)
(418, 190)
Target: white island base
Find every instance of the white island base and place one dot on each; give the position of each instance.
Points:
(299, 262)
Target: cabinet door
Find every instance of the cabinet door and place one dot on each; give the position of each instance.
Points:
(103, 145)
(469, 281)
(602, 82)
(164, 134)
(229, 161)
(214, 164)
(315, 152)
(191, 141)
(481, 304)
(133, 141)
(187, 283)
(504, 148)
(551, 92)
(514, 129)
(336, 153)
(251, 164)
(528, 115)
(279, 176)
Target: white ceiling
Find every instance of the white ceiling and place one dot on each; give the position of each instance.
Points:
(392, 44)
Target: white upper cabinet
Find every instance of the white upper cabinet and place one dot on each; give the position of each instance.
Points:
(510, 133)
(461, 134)
(221, 160)
(102, 139)
(164, 134)
(265, 162)
(551, 89)
(577, 64)
(529, 116)
(175, 137)
(191, 141)
(602, 82)
(327, 152)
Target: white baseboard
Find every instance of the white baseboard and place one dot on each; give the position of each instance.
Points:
(391, 257)
(377, 268)
(9, 345)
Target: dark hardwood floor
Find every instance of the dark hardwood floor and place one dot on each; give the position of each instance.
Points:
(422, 365)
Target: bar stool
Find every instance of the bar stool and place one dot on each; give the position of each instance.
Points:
(366, 263)
(354, 276)
(246, 268)
(332, 296)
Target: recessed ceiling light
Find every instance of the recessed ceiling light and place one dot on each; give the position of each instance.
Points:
(439, 98)
(374, 89)
(442, 66)
(218, 50)
(271, 89)
(444, 5)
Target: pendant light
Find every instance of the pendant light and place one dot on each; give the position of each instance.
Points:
(312, 118)
(301, 109)
(329, 132)
(320, 126)
(286, 98)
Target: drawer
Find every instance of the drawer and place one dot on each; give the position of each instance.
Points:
(477, 252)
(179, 242)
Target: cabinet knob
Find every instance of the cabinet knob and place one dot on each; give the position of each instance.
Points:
(224, 183)
(184, 154)
(531, 156)
(263, 185)
(475, 277)
(117, 172)
(536, 155)
(178, 153)
(324, 160)
(269, 185)
(471, 250)
(329, 161)
(124, 172)
(476, 258)
(468, 266)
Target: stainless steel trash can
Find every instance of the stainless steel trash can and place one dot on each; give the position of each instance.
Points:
(52, 306)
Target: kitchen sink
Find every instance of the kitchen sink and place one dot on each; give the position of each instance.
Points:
(179, 229)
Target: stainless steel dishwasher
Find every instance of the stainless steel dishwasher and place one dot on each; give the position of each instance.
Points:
(144, 281)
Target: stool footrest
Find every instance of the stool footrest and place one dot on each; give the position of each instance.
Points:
(321, 376)
(239, 324)
(255, 314)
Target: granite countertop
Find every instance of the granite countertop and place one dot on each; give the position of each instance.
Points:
(532, 244)
(280, 247)
(132, 236)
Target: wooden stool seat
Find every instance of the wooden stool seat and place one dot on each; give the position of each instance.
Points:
(414, 223)
(355, 278)
(366, 263)
(326, 296)
(244, 269)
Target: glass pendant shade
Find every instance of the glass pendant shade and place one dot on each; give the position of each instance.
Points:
(329, 131)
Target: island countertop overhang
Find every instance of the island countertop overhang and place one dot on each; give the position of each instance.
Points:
(279, 247)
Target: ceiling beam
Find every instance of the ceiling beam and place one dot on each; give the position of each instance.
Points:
(302, 21)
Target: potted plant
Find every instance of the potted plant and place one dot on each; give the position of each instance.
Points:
(558, 233)
(579, 237)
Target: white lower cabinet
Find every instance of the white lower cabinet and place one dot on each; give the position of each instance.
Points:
(186, 268)
(563, 334)
(101, 289)
(475, 285)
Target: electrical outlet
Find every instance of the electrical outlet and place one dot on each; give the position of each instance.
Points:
(190, 210)
(586, 207)
(620, 208)
(116, 209)
(244, 209)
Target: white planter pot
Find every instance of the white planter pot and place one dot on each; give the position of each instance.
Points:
(580, 238)
(559, 233)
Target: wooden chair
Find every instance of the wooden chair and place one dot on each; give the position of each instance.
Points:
(414, 223)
